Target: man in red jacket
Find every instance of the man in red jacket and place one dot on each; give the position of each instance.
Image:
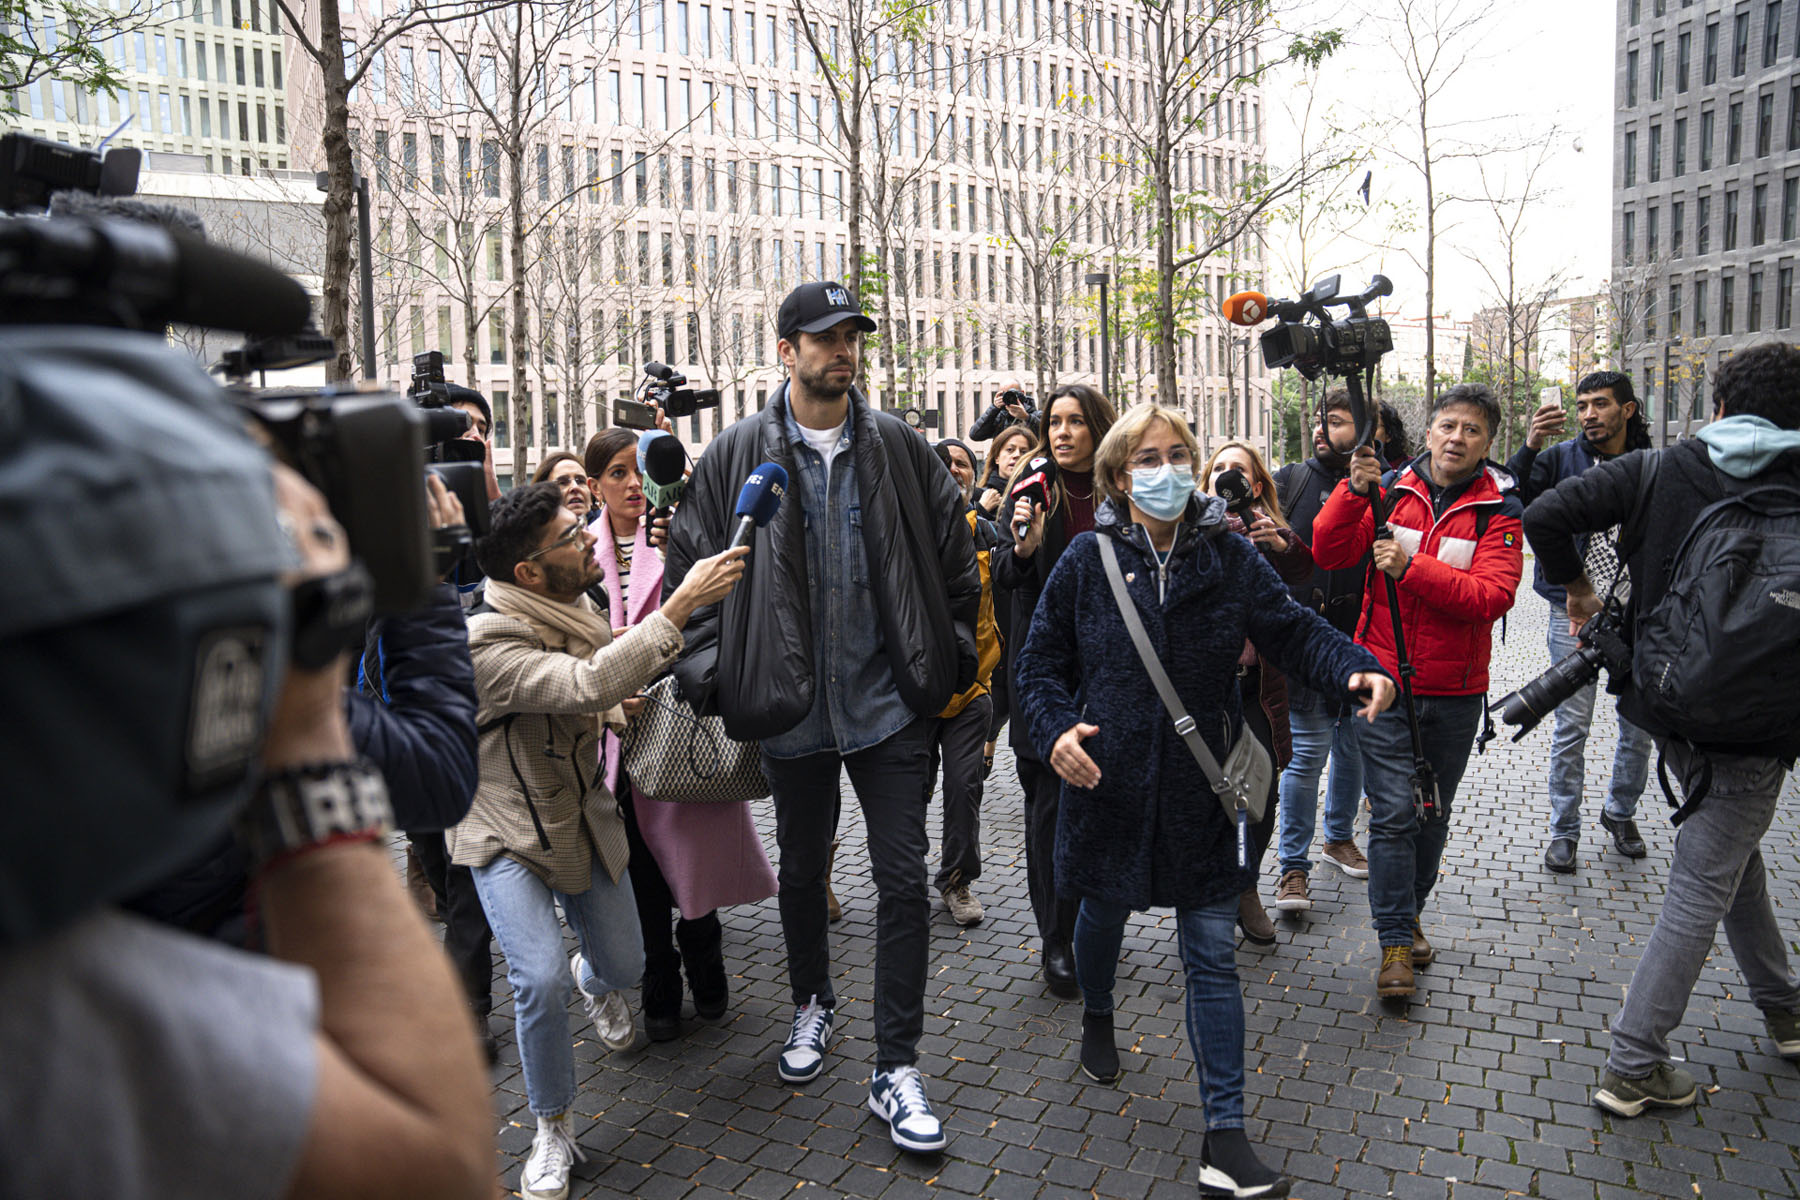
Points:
(1455, 558)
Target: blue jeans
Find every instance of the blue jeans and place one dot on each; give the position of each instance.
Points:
(1716, 876)
(1403, 854)
(522, 911)
(1318, 735)
(1631, 760)
(1207, 937)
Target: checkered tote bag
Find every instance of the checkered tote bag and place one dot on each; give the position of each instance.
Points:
(673, 753)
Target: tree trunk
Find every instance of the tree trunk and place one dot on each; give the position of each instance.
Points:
(340, 195)
(1165, 272)
(517, 336)
(1430, 259)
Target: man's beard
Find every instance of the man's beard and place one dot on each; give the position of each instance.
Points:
(568, 581)
(820, 384)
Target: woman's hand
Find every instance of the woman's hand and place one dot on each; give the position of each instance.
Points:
(1025, 511)
(1071, 762)
(1267, 534)
(990, 501)
(1379, 690)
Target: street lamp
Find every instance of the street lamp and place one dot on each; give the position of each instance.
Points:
(1100, 279)
(322, 181)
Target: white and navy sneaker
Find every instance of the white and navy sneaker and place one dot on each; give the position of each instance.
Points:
(804, 1055)
(898, 1097)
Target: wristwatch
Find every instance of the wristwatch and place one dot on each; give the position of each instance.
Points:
(312, 805)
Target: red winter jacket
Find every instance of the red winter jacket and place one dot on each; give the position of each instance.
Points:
(1454, 589)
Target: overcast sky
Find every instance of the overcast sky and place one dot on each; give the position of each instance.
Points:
(1541, 64)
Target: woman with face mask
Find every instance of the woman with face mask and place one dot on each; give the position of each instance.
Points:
(1140, 827)
(1254, 511)
(1075, 420)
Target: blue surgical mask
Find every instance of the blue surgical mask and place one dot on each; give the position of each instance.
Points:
(1162, 493)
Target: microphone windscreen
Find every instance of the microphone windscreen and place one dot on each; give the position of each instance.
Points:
(762, 492)
(1233, 488)
(1246, 308)
(664, 458)
(222, 289)
(1035, 480)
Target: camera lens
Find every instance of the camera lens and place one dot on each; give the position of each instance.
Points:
(1537, 699)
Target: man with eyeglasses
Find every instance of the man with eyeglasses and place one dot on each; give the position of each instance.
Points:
(543, 828)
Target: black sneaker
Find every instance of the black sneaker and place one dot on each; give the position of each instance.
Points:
(1668, 1086)
(1625, 836)
(1099, 1053)
(1560, 857)
(1229, 1167)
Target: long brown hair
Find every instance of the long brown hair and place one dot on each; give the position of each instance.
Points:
(1267, 500)
(1001, 440)
(1096, 410)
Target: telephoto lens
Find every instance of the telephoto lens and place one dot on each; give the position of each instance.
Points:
(1539, 698)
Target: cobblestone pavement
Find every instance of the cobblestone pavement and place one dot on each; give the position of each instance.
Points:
(1480, 1089)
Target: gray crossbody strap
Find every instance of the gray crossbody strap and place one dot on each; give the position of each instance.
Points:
(1134, 624)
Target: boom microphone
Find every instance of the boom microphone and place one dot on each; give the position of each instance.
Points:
(757, 501)
(661, 460)
(1033, 485)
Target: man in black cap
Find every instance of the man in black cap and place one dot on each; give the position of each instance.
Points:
(854, 626)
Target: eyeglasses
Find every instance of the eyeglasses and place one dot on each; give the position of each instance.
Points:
(567, 539)
(1149, 460)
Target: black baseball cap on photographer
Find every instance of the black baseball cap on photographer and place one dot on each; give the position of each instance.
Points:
(816, 307)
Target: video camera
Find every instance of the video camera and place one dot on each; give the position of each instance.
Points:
(454, 459)
(668, 388)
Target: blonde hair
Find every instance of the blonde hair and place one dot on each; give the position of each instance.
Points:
(1268, 501)
(1123, 438)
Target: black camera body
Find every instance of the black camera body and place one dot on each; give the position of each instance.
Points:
(1353, 343)
(1020, 397)
(1602, 643)
(668, 388)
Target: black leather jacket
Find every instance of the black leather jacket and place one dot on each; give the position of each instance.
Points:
(750, 658)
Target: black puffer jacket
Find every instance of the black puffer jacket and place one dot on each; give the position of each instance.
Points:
(750, 658)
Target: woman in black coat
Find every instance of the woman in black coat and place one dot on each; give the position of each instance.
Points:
(1075, 421)
(1139, 825)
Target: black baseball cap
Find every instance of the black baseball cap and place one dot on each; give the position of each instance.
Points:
(816, 307)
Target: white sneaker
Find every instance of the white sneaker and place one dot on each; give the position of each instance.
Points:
(611, 1013)
(898, 1097)
(804, 1055)
(964, 908)
(553, 1152)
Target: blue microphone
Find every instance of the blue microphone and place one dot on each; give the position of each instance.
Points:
(757, 501)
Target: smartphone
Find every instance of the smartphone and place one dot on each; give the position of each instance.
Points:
(1550, 395)
(629, 414)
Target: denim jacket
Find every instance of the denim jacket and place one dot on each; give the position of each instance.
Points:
(857, 703)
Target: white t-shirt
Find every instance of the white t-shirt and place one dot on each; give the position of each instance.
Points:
(825, 441)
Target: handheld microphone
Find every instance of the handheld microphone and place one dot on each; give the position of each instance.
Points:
(757, 501)
(1234, 490)
(661, 460)
(1246, 308)
(1033, 485)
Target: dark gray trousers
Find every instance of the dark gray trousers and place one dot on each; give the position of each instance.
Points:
(958, 742)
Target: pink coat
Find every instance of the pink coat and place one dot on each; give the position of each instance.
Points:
(710, 854)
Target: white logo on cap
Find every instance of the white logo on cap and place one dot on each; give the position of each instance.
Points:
(837, 297)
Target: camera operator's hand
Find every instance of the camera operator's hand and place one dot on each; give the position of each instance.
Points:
(1546, 422)
(1019, 412)
(308, 723)
(1391, 557)
(442, 507)
(1584, 605)
(662, 419)
(1379, 690)
(1025, 510)
(708, 581)
(1365, 470)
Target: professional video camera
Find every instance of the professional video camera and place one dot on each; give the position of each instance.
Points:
(668, 387)
(453, 458)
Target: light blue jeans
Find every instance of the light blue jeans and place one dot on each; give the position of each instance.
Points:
(1716, 876)
(1318, 735)
(521, 908)
(1574, 717)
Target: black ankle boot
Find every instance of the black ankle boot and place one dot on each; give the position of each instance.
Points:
(1229, 1167)
(662, 996)
(1099, 1053)
(702, 944)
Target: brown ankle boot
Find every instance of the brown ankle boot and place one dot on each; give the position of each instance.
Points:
(1395, 979)
(1422, 953)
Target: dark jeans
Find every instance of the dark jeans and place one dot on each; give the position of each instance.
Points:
(890, 780)
(1403, 854)
(1000, 692)
(960, 741)
(1043, 796)
(467, 939)
(1207, 939)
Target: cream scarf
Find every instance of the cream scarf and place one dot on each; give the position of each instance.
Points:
(572, 628)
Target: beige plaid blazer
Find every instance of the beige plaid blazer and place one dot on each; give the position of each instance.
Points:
(549, 746)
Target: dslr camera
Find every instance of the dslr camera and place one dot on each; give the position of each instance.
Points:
(998, 416)
(1602, 642)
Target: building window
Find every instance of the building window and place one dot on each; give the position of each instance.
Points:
(1655, 171)
(1784, 297)
(1734, 131)
(1627, 235)
(1706, 139)
(1759, 196)
(1703, 226)
(1677, 214)
(1679, 146)
(1793, 138)
(1651, 233)
(1731, 219)
(1753, 303)
(1727, 306)
(1790, 206)
(1674, 310)
(1699, 308)
(1656, 70)
(1630, 163)
(1740, 42)
(1631, 78)
(1684, 53)
(1765, 123)
(1712, 53)
(1771, 32)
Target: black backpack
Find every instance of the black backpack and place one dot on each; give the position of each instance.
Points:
(1715, 660)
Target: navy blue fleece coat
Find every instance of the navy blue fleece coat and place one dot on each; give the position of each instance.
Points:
(1153, 835)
